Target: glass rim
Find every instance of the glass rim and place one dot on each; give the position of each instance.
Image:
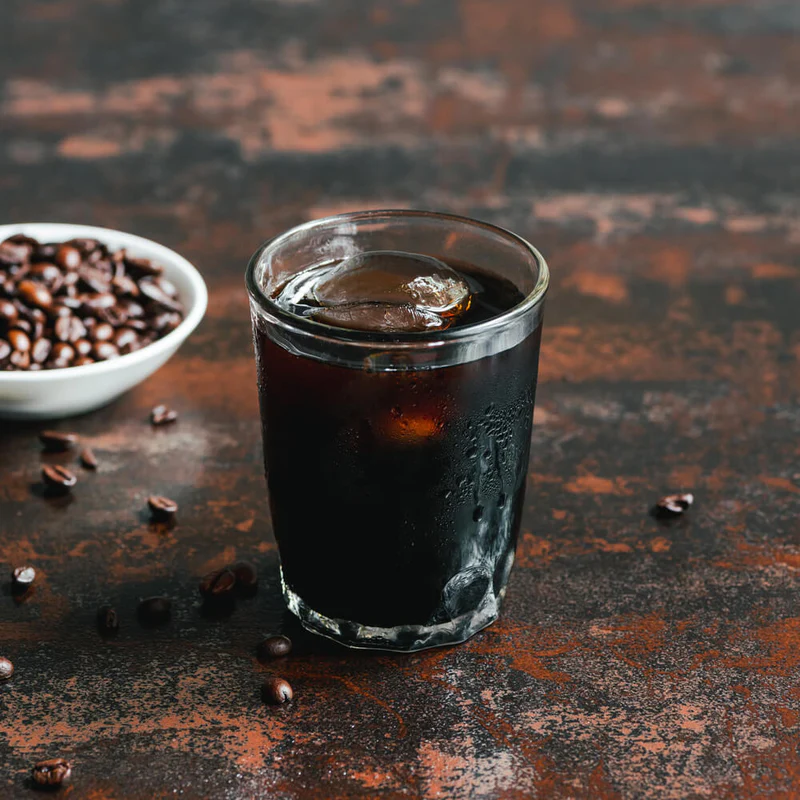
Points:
(404, 340)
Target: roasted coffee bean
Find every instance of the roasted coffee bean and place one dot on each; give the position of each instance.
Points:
(82, 347)
(13, 252)
(57, 477)
(97, 301)
(273, 647)
(102, 332)
(47, 273)
(21, 238)
(103, 351)
(82, 361)
(154, 610)
(5, 349)
(68, 257)
(94, 280)
(41, 350)
(125, 285)
(133, 311)
(59, 310)
(166, 286)
(8, 312)
(85, 245)
(70, 300)
(19, 340)
(23, 325)
(246, 575)
(62, 352)
(162, 508)
(153, 292)
(52, 773)
(34, 294)
(107, 621)
(23, 576)
(114, 316)
(69, 328)
(6, 669)
(674, 504)
(162, 415)
(19, 359)
(140, 267)
(165, 322)
(88, 458)
(56, 441)
(19, 271)
(45, 252)
(217, 584)
(125, 337)
(277, 691)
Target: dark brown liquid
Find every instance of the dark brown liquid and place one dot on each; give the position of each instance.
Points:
(396, 496)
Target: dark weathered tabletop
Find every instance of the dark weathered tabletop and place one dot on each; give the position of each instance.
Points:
(650, 149)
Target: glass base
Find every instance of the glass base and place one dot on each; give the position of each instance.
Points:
(401, 638)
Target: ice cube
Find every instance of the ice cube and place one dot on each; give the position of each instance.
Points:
(380, 317)
(383, 290)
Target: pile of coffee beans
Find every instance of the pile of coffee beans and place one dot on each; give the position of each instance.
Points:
(72, 303)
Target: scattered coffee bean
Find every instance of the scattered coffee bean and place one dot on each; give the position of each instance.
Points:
(218, 583)
(53, 296)
(107, 621)
(162, 508)
(274, 647)
(56, 441)
(6, 669)
(88, 458)
(246, 576)
(57, 477)
(52, 773)
(162, 415)
(674, 504)
(155, 610)
(277, 691)
(23, 577)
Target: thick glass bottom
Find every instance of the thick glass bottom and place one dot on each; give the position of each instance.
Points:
(401, 638)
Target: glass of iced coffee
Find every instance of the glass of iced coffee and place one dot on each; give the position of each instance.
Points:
(397, 355)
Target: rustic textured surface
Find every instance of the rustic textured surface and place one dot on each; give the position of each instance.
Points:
(650, 150)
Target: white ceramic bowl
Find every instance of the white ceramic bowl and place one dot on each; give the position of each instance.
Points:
(76, 390)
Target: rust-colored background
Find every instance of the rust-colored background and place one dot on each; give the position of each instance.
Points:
(650, 149)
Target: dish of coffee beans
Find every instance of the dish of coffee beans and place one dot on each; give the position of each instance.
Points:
(73, 303)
